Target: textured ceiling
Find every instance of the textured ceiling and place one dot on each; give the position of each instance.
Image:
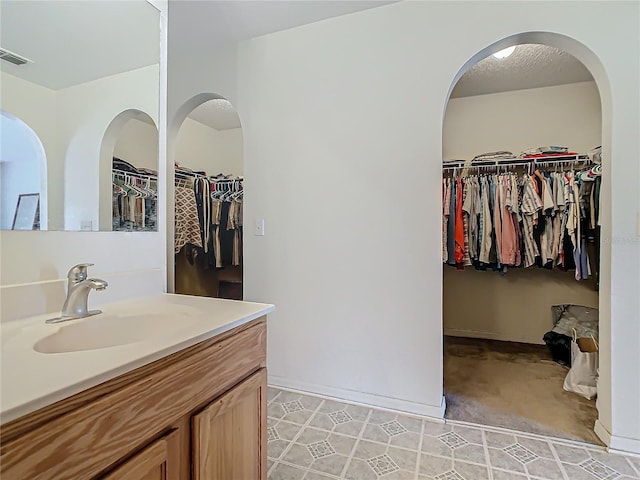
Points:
(529, 66)
(218, 114)
(73, 42)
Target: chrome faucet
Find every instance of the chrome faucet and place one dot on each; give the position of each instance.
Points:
(78, 288)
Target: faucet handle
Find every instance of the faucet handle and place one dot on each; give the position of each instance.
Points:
(78, 272)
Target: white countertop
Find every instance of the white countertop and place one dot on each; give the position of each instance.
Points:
(31, 380)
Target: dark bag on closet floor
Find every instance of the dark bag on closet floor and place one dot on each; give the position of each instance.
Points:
(560, 347)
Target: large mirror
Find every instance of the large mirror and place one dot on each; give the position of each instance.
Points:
(79, 101)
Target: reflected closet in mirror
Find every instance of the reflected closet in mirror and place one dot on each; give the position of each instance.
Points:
(77, 75)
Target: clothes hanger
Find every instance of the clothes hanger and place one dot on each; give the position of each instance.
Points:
(239, 190)
(129, 181)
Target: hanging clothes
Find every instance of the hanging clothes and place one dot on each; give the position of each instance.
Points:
(187, 226)
(134, 197)
(446, 200)
(451, 226)
(505, 220)
(459, 226)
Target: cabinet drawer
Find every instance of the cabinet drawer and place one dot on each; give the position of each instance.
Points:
(88, 440)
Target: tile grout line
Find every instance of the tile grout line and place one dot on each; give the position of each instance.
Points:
(524, 464)
(400, 447)
(557, 458)
(296, 436)
(534, 436)
(355, 445)
(390, 437)
(552, 442)
(416, 470)
(485, 446)
(269, 403)
(633, 467)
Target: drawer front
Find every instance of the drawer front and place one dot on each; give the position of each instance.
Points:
(86, 441)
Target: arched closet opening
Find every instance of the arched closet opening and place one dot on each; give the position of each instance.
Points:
(522, 176)
(129, 173)
(208, 200)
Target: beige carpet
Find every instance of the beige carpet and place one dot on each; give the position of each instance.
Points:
(513, 385)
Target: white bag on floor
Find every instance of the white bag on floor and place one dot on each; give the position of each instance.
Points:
(583, 375)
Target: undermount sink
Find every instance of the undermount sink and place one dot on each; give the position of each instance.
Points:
(112, 329)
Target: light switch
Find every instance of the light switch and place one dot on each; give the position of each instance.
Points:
(260, 227)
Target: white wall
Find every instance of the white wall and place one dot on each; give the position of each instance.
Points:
(566, 115)
(515, 307)
(562, 115)
(353, 261)
(137, 144)
(202, 148)
(231, 156)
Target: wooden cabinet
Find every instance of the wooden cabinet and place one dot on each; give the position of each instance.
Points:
(200, 410)
(230, 434)
(158, 461)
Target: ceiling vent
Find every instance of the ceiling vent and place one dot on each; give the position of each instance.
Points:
(13, 57)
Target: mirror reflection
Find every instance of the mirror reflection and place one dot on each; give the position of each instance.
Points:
(79, 87)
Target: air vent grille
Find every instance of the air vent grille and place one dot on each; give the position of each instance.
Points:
(13, 57)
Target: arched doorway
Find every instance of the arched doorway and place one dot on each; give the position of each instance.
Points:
(131, 140)
(592, 64)
(208, 187)
(23, 171)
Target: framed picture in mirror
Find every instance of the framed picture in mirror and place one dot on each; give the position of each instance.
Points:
(27, 216)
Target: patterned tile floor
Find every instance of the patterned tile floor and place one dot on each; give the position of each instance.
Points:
(312, 438)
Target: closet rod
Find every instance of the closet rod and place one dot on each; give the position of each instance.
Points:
(186, 175)
(183, 174)
(124, 174)
(517, 162)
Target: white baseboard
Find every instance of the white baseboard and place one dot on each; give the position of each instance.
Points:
(617, 444)
(458, 332)
(366, 399)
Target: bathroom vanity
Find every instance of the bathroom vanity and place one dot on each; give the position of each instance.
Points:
(185, 399)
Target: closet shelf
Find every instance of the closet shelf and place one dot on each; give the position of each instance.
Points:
(502, 162)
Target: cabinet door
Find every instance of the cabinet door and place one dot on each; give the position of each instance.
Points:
(158, 461)
(229, 435)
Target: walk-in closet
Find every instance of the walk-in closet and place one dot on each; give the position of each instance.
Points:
(131, 145)
(208, 202)
(521, 180)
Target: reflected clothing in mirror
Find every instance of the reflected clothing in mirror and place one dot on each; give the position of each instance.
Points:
(134, 198)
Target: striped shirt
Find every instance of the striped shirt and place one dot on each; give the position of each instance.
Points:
(531, 204)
